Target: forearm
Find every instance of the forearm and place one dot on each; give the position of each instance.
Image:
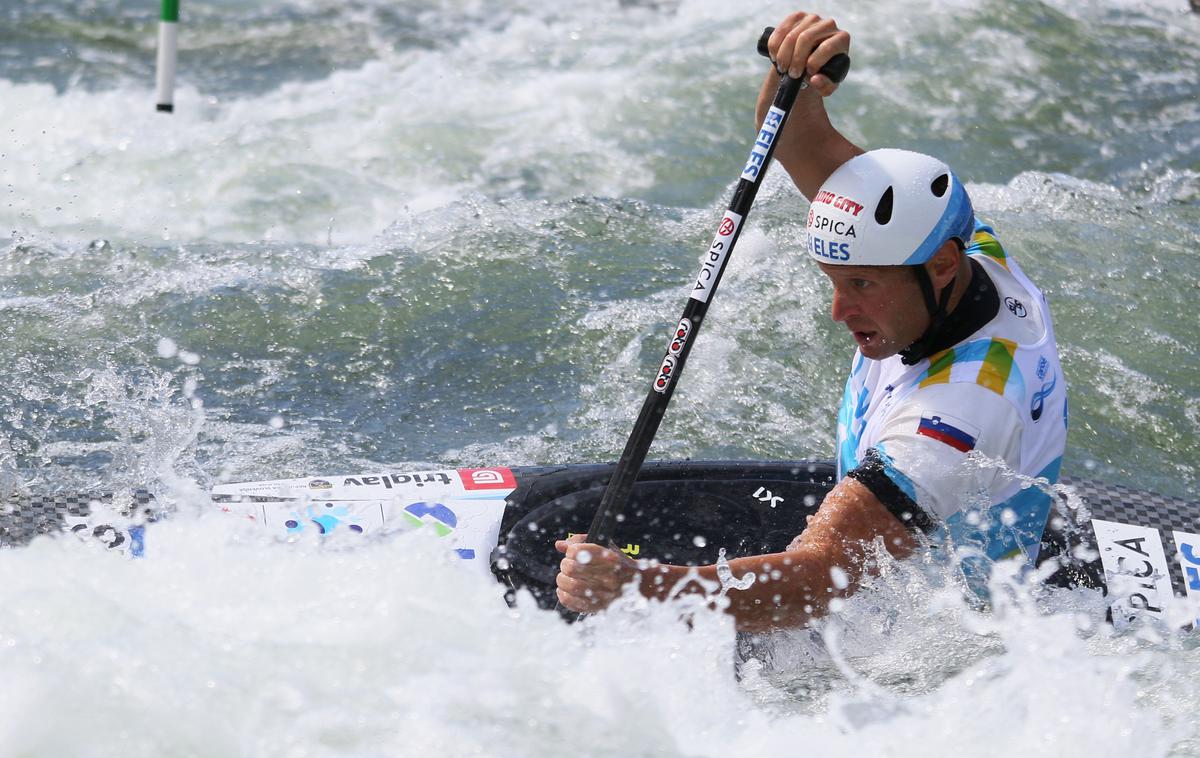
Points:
(789, 589)
(809, 147)
(827, 561)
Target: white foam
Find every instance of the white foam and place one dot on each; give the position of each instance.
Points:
(223, 643)
(535, 106)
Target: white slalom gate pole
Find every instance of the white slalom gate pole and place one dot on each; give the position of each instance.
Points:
(168, 27)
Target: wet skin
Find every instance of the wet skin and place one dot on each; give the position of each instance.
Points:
(883, 306)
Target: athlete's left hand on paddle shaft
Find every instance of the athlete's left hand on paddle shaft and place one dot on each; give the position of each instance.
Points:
(590, 577)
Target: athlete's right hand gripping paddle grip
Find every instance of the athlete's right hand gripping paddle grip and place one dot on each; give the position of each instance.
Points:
(836, 69)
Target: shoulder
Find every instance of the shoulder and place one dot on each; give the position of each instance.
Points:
(986, 248)
(986, 242)
(951, 440)
(998, 261)
(963, 415)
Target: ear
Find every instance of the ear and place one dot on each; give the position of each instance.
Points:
(944, 264)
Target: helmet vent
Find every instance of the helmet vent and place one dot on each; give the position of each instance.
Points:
(940, 184)
(883, 211)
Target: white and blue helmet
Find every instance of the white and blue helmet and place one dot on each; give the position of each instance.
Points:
(888, 208)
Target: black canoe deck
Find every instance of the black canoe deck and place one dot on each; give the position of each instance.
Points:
(686, 512)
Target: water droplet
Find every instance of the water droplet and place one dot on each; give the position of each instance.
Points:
(699, 541)
(840, 578)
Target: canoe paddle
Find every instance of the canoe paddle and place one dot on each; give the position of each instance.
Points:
(712, 267)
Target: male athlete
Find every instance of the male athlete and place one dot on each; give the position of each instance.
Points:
(955, 398)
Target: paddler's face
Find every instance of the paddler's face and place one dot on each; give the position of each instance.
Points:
(882, 306)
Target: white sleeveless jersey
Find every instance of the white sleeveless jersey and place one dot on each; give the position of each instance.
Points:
(964, 431)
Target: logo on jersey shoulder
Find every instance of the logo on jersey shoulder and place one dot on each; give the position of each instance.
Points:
(946, 429)
(1039, 398)
(1015, 306)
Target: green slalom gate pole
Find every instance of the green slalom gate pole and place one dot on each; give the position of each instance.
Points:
(168, 27)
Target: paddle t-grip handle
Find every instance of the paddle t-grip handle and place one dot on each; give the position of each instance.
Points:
(835, 70)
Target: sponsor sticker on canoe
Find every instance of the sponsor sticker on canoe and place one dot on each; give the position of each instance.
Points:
(323, 518)
(1187, 548)
(1135, 571)
(487, 479)
(467, 525)
(390, 481)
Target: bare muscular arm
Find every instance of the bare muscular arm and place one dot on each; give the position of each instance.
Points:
(809, 147)
(790, 588)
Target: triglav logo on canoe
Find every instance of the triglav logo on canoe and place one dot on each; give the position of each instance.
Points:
(320, 484)
(419, 479)
(487, 478)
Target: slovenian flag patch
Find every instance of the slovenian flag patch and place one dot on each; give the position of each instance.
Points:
(949, 430)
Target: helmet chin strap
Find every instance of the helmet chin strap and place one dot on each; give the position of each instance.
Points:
(919, 349)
